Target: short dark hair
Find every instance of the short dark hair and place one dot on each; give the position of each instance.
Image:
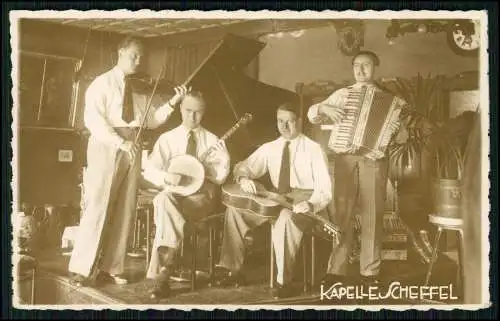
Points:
(195, 94)
(291, 106)
(130, 40)
(371, 54)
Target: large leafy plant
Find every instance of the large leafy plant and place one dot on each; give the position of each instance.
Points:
(421, 117)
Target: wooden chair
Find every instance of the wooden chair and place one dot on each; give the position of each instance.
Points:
(192, 232)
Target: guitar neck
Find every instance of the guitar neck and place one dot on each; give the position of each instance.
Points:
(289, 205)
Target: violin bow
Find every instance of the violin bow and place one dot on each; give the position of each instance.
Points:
(148, 106)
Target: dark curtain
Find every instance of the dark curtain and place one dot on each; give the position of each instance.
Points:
(472, 215)
(182, 61)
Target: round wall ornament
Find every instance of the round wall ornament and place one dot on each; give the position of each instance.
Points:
(350, 40)
(463, 37)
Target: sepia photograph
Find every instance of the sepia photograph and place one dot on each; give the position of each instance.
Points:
(250, 160)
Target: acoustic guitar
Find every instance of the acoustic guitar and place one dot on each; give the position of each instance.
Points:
(268, 204)
(188, 169)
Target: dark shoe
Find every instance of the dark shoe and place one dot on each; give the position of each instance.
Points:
(161, 288)
(370, 280)
(280, 291)
(231, 279)
(103, 278)
(330, 279)
(78, 280)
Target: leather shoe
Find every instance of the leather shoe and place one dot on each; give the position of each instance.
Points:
(161, 288)
(233, 279)
(78, 280)
(280, 291)
(370, 280)
(331, 279)
(104, 277)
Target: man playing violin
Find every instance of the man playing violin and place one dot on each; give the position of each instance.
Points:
(297, 168)
(171, 211)
(113, 168)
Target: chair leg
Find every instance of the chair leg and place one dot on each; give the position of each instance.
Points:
(194, 246)
(33, 286)
(148, 236)
(271, 263)
(304, 265)
(211, 254)
(460, 263)
(434, 254)
(313, 261)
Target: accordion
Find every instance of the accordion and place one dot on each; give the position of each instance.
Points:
(371, 118)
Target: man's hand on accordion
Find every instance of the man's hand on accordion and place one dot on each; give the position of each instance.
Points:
(333, 112)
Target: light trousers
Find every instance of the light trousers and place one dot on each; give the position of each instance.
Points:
(359, 182)
(171, 213)
(287, 233)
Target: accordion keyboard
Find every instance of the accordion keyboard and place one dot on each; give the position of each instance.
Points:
(344, 130)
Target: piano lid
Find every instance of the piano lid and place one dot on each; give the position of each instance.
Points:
(230, 93)
(222, 80)
(232, 53)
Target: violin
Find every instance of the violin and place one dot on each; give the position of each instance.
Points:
(143, 83)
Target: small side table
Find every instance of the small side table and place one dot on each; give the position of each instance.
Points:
(450, 224)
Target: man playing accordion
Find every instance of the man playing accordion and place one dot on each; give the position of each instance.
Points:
(364, 118)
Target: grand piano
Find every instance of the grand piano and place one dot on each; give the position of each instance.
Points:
(230, 94)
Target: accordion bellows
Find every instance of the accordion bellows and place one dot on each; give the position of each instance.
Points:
(371, 118)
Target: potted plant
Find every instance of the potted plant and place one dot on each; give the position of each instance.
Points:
(409, 157)
(410, 160)
(430, 158)
(448, 144)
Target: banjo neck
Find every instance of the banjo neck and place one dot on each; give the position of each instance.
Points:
(243, 120)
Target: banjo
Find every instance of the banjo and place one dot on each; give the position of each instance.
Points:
(188, 171)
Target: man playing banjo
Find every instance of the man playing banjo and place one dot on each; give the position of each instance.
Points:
(171, 210)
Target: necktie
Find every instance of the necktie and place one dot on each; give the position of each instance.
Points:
(128, 106)
(191, 144)
(284, 182)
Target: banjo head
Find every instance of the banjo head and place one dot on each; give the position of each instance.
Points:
(192, 171)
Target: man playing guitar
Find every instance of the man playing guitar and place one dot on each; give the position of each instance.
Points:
(297, 168)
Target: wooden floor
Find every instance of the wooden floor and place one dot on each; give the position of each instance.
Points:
(257, 292)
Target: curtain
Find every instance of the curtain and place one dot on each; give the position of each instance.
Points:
(183, 60)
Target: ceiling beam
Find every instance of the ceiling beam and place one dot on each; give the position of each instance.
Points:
(250, 28)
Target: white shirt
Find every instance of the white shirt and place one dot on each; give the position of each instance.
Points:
(174, 143)
(308, 167)
(104, 105)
